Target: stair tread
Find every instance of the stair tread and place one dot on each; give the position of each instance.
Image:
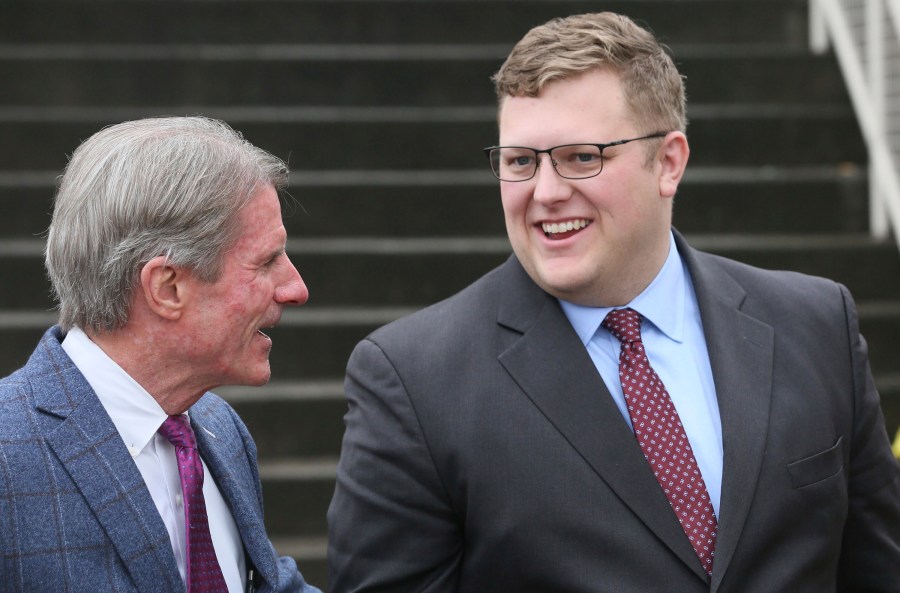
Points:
(88, 50)
(291, 391)
(416, 246)
(412, 113)
(736, 174)
(298, 468)
(305, 548)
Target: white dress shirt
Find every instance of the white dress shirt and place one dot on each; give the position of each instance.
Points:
(673, 338)
(137, 417)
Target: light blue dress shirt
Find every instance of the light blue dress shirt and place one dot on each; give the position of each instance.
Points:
(673, 339)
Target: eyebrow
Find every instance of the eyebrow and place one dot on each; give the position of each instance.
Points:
(272, 254)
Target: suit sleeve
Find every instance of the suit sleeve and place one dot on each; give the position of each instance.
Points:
(391, 525)
(870, 551)
(289, 578)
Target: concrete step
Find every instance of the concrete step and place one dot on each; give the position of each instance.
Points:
(773, 200)
(314, 344)
(848, 259)
(293, 419)
(411, 272)
(406, 203)
(326, 138)
(309, 345)
(202, 77)
(296, 494)
(762, 22)
(347, 271)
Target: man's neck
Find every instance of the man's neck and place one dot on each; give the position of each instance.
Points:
(150, 363)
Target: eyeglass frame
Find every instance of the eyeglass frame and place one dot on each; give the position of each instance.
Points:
(537, 161)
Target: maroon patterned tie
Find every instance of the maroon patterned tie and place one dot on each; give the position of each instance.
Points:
(661, 436)
(203, 572)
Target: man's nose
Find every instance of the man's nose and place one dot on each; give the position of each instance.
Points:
(292, 290)
(549, 186)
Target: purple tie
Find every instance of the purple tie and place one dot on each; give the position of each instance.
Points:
(661, 436)
(203, 572)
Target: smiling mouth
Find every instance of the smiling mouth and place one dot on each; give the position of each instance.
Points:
(563, 230)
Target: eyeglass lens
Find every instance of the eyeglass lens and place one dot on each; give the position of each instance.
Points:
(575, 161)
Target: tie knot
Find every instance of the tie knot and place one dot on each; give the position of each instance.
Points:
(624, 324)
(178, 430)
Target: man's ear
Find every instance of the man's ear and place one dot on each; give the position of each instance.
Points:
(673, 158)
(164, 288)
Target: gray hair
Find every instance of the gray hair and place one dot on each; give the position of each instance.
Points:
(141, 189)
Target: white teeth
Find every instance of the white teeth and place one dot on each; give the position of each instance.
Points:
(562, 227)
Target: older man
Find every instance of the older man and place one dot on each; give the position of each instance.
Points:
(119, 471)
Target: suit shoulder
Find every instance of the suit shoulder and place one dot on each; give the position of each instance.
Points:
(42, 374)
(781, 295)
(17, 406)
(773, 281)
(13, 382)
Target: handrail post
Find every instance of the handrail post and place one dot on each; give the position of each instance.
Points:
(818, 33)
(870, 71)
(875, 46)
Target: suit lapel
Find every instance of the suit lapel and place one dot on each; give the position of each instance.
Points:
(741, 351)
(554, 370)
(227, 461)
(85, 441)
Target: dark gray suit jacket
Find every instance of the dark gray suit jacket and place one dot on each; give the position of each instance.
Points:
(483, 453)
(75, 514)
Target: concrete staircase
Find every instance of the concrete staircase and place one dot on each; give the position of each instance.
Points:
(381, 108)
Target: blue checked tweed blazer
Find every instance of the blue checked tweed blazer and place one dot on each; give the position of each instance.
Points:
(75, 514)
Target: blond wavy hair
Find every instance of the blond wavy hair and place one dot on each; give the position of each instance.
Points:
(566, 47)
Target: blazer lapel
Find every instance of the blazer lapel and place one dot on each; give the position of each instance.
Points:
(87, 444)
(741, 353)
(227, 461)
(579, 406)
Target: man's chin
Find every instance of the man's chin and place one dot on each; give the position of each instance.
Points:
(259, 377)
(262, 379)
(562, 284)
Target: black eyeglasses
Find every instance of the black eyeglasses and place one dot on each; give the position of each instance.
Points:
(572, 161)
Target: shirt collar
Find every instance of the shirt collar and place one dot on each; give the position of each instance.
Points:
(136, 415)
(661, 303)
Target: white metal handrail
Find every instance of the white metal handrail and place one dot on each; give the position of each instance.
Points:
(865, 35)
